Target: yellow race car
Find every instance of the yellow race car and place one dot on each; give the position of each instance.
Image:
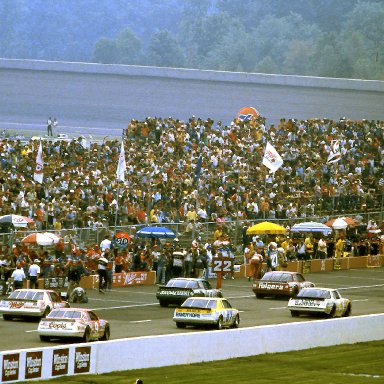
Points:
(206, 311)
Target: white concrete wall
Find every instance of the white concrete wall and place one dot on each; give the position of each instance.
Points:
(193, 74)
(187, 348)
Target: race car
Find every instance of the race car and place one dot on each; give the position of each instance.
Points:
(206, 311)
(73, 323)
(179, 289)
(280, 283)
(31, 303)
(320, 301)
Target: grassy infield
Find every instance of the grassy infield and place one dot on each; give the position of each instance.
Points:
(358, 363)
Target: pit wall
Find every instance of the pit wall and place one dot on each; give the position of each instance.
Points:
(193, 74)
(168, 350)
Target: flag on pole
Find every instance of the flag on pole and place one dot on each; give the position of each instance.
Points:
(272, 159)
(334, 152)
(38, 175)
(121, 166)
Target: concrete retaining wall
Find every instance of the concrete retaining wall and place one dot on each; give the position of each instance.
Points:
(186, 348)
(193, 74)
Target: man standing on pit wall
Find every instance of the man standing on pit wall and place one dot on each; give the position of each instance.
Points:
(18, 277)
(49, 127)
(34, 273)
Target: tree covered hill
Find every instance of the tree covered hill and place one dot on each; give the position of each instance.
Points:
(342, 38)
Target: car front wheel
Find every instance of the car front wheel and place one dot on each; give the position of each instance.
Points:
(107, 334)
(236, 322)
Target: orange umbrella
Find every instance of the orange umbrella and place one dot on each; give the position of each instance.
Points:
(44, 238)
(349, 222)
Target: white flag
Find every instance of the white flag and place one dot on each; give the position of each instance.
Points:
(121, 166)
(38, 175)
(334, 152)
(272, 159)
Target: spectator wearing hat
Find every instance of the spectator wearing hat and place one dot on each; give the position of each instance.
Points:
(34, 273)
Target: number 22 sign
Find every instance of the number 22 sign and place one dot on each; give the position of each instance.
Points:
(221, 264)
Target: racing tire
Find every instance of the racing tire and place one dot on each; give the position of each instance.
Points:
(236, 322)
(87, 335)
(45, 338)
(348, 311)
(163, 303)
(46, 312)
(259, 296)
(219, 323)
(295, 291)
(7, 317)
(107, 334)
(332, 314)
(180, 325)
(295, 314)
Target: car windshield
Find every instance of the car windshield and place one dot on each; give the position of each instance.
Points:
(314, 294)
(279, 277)
(182, 284)
(64, 315)
(199, 303)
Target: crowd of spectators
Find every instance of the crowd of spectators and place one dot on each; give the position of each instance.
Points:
(196, 171)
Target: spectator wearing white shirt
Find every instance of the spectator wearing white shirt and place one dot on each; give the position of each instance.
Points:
(18, 277)
(34, 273)
(105, 244)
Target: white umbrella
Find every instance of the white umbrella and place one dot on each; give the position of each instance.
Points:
(16, 220)
(339, 223)
(311, 226)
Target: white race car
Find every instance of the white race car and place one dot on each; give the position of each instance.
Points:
(30, 303)
(206, 311)
(73, 323)
(320, 301)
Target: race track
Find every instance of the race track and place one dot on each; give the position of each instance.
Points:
(104, 104)
(135, 312)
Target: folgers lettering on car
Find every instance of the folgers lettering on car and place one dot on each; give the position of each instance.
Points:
(271, 286)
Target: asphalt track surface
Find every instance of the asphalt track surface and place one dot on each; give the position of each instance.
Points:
(135, 312)
(92, 104)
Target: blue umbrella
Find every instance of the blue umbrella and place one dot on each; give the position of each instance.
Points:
(311, 226)
(155, 232)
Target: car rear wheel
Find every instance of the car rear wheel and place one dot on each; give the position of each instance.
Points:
(44, 338)
(180, 325)
(259, 296)
(163, 303)
(7, 317)
(333, 312)
(87, 335)
(294, 313)
(46, 312)
(219, 323)
(348, 311)
(107, 333)
(236, 322)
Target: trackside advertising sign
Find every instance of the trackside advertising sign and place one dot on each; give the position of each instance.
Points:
(82, 360)
(33, 364)
(60, 360)
(10, 369)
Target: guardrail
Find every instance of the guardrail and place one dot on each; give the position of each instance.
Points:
(167, 350)
(193, 74)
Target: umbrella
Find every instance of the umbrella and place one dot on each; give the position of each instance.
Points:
(16, 220)
(155, 232)
(41, 238)
(311, 226)
(342, 223)
(266, 228)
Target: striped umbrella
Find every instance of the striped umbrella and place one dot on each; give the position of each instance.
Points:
(311, 226)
